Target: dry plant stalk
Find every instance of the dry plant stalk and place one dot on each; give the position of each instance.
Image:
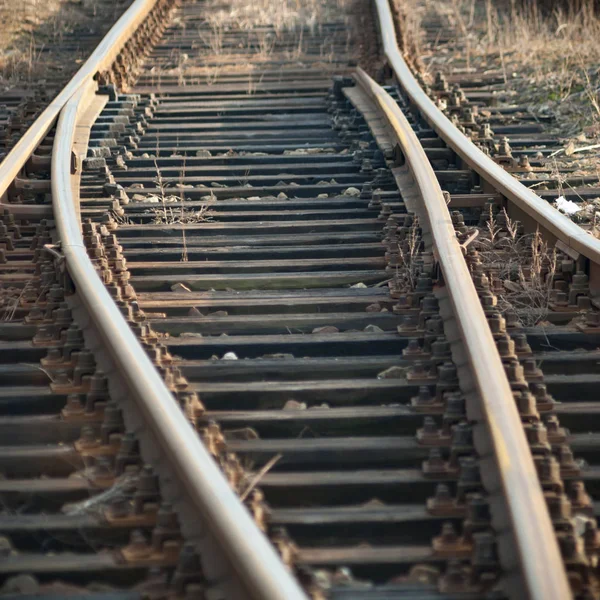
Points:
(409, 265)
(10, 300)
(522, 266)
(258, 476)
(165, 215)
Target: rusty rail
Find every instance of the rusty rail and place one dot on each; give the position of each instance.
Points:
(251, 556)
(548, 218)
(483, 380)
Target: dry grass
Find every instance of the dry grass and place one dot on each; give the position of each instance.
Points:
(409, 260)
(559, 53)
(167, 215)
(521, 268)
(32, 30)
(550, 60)
(263, 25)
(282, 16)
(42, 44)
(10, 300)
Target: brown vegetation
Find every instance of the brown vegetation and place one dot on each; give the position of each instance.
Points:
(31, 32)
(521, 267)
(549, 59)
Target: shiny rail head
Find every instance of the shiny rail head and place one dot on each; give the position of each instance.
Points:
(503, 437)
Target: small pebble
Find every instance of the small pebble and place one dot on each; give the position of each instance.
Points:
(21, 584)
(230, 356)
(360, 285)
(294, 405)
(393, 373)
(247, 433)
(373, 329)
(374, 307)
(511, 286)
(326, 329)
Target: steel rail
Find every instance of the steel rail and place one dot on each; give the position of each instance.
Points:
(253, 558)
(100, 59)
(525, 199)
(542, 567)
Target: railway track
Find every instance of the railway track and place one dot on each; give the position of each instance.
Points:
(56, 43)
(272, 349)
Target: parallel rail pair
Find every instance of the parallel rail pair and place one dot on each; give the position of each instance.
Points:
(482, 377)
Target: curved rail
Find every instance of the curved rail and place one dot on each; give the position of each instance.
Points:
(100, 59)
(546, 216)
(253, 558)
(543, 568)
